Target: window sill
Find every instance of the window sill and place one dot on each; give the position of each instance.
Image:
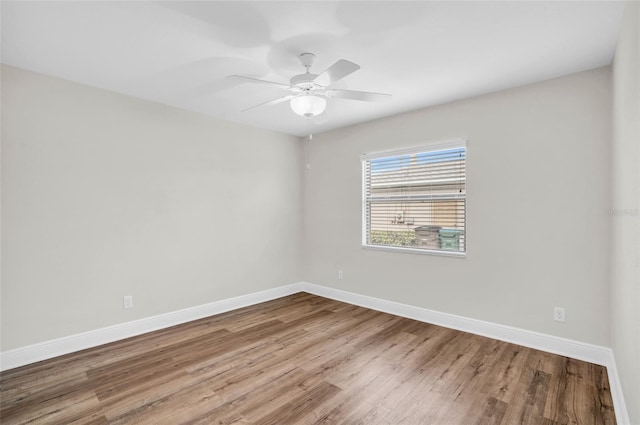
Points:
(416, 251)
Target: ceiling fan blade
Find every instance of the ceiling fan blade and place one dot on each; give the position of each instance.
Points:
(272, 102)
(336, 72)
(255, 80)
(358, 95)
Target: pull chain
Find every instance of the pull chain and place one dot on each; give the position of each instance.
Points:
(308, 149)
(308, 146)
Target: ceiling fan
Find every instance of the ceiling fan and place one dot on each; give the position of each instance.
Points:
(309, 92)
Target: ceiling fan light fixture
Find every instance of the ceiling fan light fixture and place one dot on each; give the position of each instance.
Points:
(308, 105)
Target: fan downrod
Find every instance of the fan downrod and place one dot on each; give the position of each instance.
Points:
(305, 81)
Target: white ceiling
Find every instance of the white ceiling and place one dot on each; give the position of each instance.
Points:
(422, 52)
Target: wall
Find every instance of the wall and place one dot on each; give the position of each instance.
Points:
(105, 195)
(625, 247)
(537, 183)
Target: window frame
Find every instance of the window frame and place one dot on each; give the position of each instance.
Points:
(423, 148)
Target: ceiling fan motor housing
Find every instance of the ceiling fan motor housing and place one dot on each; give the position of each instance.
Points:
(305, 81)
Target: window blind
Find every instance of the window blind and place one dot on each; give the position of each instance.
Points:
(415, 199)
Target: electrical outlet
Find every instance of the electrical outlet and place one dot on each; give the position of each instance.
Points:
(340, 275)
(558, 314)
(127, 301)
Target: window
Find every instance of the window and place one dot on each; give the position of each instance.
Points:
(415, 199)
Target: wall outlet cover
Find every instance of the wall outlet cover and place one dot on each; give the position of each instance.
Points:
(558, 314)
(127, 301)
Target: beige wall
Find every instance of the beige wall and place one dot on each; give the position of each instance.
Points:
(625, 247)
(537, 188)
(105, 195)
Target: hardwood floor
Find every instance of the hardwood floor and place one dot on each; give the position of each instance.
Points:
(304, 359)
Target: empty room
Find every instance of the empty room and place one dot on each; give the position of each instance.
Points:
(320, 212)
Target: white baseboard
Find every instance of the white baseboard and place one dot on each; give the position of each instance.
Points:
(553, 344)
(564, 347)
(619, 405)
(69, 344)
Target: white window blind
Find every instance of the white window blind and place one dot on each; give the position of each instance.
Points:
(415, 199)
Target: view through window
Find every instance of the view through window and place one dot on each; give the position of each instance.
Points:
(415, 199)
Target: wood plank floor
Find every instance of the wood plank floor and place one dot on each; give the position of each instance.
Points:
(304, 359)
